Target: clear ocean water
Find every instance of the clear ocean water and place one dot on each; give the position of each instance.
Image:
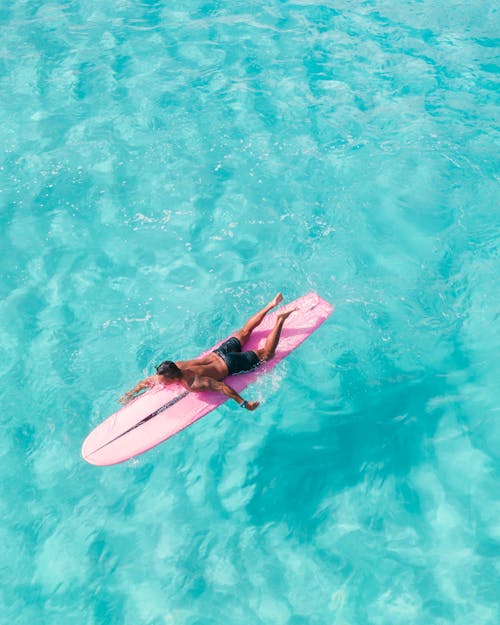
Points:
(165, 169)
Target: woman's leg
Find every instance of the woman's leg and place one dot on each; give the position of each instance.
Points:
(243, 334)
(267, 352)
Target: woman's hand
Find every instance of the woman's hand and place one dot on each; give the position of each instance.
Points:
(124, 399)
(252, 405)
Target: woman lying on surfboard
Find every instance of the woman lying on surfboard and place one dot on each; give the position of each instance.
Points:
(207, 372)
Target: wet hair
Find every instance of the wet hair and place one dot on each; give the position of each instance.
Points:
(169, 370)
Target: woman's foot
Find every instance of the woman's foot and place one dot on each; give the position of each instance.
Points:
(284, 315)
(277, 300)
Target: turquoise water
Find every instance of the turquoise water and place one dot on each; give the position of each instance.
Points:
(164, 170)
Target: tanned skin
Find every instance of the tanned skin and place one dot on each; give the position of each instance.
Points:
(207, 372)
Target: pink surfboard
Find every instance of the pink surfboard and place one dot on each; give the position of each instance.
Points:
(163, 411)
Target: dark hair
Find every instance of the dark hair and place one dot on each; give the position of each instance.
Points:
(169, 370)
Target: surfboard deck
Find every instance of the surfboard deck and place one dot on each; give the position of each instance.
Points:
(163, 411)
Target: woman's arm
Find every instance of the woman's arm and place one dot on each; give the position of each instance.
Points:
(146, 383)
(203, 383)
